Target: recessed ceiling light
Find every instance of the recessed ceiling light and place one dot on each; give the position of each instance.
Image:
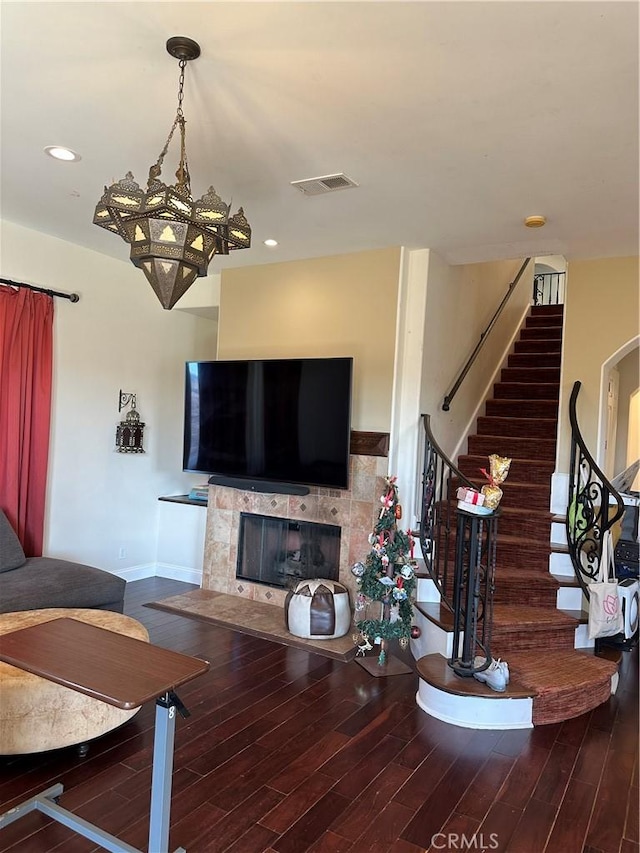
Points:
(270, 242)
(535, 221)
(58, 152)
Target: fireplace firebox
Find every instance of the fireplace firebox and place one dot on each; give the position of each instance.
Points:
(279, 552)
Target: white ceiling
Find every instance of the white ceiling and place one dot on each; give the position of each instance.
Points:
(456, 119)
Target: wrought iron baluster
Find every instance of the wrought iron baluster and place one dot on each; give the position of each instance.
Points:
(548, 288)
(438, 512)
(593, 506)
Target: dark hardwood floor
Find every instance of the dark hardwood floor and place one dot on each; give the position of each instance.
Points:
(288, 751)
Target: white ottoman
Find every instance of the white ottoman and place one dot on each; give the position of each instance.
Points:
(318, 610)
(36, 714)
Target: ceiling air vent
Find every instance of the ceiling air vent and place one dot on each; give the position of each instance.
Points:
(325, 184)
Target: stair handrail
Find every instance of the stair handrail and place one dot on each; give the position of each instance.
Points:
(483, 337)
(437, 513)
(589, 493)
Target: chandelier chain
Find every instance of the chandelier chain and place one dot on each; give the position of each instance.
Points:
(182, 174)
(182, 64)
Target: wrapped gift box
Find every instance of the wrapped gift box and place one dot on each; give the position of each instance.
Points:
(470, 496)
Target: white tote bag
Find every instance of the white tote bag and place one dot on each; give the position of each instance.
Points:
(605, 613)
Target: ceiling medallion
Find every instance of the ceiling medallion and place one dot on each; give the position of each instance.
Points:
(172, 237)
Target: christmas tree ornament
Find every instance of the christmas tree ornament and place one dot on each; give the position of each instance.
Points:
(357, 570)
(416, 633)
(398, 512)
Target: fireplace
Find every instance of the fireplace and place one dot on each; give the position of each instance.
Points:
(278, 552)
(353, 510)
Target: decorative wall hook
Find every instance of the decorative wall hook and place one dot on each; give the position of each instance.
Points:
(130, 431)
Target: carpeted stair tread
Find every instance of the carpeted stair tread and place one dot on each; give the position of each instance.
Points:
(513, 446)
(530, 359)
(541, 671)
(506, 407)
(530, 495)
(535, 320)
(542, 346)
(529, 618)
(549, 333)
(521, 576)
(566, 684)
(521, 470)
(532, 428)
(541, 588)
(530, 374)
(526, 391)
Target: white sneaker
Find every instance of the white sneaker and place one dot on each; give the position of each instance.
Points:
(493, 676)
(504, 666)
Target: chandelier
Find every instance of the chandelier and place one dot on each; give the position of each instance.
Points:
(172, 237)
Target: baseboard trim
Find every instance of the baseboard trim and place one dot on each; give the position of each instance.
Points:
(179, 573)
(160, 570)
(136, 573)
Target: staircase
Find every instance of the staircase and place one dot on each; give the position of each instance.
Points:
(529, 631)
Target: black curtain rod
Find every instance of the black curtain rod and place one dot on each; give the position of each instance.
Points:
(72, 297)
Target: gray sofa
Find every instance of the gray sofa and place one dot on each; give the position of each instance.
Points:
(33, 583)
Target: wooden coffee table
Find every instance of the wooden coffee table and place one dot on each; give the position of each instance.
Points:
(121, 671)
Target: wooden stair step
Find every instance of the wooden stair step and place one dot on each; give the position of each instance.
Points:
(563, 683)
(437, 613)
(435, 670)
(530, 428)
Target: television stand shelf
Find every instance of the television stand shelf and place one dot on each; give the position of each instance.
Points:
(182, 499)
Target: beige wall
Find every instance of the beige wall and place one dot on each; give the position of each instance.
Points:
(601, 317)
(345, 305)
(117, 336)
(461, 301)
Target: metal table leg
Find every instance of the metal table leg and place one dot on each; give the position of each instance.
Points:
(162, 770)
(163, 739)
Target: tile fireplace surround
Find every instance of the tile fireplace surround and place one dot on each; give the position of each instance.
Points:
(354, 511)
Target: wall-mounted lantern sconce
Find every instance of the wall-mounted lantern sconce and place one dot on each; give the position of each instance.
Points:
(130, 431)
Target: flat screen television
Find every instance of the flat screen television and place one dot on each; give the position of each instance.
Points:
(278, 425)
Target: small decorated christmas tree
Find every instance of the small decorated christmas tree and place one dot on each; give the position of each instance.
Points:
(386, 580)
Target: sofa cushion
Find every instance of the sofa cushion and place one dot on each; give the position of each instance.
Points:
(44, 582)
(11, 553)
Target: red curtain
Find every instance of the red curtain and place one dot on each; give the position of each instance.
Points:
(26, 356)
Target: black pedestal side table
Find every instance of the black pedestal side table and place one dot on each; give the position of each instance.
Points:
(474, 582)
(121, 671)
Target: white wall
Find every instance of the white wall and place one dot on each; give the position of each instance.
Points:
(101, 503)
